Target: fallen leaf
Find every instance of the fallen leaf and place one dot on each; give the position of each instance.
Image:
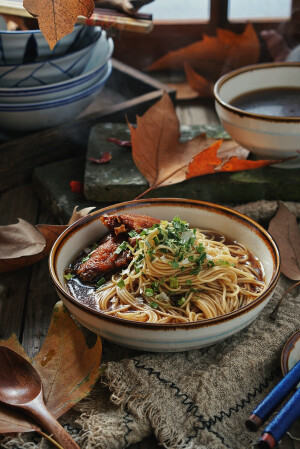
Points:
(67, 366)
(120, 143)
(57, 18)
(183, 91)
(198, 83)
(206, 60)
(284, 230)
(211, 160)
(164, 160)
(20, 239)
(104, 159)
(77, 186)
(77, 214)
(214, 55)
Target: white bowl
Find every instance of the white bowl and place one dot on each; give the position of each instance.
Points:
(267, 137)
(46, 72)
(166, 337)
(91, 73)
(19, 47)
(34, 116)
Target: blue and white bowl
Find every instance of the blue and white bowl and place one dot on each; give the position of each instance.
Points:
(92, 72)
(40, 115)
(23, 47)
(46, 72)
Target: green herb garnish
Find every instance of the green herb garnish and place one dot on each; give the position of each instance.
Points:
(68, 276)
(121, 284)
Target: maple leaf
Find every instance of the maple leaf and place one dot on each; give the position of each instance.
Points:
(67, 366)
(164, 160)
(208, 59)
(198, 83)
(57, 18)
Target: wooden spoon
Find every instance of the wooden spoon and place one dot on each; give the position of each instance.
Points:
(21, 387)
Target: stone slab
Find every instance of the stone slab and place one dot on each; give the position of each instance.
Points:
(120, 180)
(52, 184)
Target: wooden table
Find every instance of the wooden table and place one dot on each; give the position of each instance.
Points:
(27, 295)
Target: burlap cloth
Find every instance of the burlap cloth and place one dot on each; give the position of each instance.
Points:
(197, 399)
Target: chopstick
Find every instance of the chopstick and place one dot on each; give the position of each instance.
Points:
(286, 416)
(105, 19)
(119, 22)
(289, 413)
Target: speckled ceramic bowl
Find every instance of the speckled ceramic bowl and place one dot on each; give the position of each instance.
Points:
(166, 337)
(291, 353)
(267, 137)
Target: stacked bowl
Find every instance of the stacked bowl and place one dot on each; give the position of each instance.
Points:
(40, 88)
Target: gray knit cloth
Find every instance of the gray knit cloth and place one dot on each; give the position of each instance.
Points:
(191, 400)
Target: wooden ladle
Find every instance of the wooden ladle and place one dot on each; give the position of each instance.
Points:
(21, 387)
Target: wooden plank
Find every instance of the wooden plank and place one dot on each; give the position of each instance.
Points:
(41, 299)
(21, 202)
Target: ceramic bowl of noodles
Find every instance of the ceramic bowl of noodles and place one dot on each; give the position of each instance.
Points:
(165, 275)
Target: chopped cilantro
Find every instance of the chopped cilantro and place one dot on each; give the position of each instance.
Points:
(188, 282)
(121, 247)
(174, 264)
(210, 264)
(100, 282)
(153, 304)
(173, 282)
(133, 234)
(121, 284)
(68, 276)
(149, 292)
(195, 271)
(85, 258)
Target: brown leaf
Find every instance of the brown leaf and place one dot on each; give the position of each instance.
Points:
(198, 83)
(57, 18)
(77, 214)
(164, 160)
(25, 235)
(284, 229)
(20, 239)
(213, 56)
(67, 366)
(183, 91)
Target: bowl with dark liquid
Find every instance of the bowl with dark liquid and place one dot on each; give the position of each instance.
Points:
(259, 106)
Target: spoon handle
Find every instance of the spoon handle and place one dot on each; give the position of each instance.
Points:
(39, 411)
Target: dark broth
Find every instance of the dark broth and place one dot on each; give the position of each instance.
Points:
(278, 102)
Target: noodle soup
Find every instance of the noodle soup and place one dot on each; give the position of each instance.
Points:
(168, 272)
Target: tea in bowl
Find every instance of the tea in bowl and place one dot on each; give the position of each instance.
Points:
(259, 106)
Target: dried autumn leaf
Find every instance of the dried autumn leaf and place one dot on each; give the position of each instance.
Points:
(208, 161)
(284, 229)
(198, 83)
(213, 56)
(57, 18)
(166, 160)
(77, 214)
(20, 239)
(67, 366)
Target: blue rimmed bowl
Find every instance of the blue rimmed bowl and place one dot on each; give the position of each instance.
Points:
(48, 71)
(46, 114)
(166, 337)
(92, 72)
(23, 47)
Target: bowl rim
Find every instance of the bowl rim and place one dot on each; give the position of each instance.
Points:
(289, 345)
(251, 68)
(60, 85)
(62, 101)
(81, 223)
